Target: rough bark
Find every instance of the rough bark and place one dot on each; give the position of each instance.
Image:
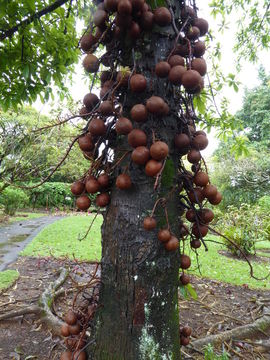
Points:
(139, 316)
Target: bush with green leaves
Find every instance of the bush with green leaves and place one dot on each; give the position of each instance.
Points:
(209, 354)
(13, 199)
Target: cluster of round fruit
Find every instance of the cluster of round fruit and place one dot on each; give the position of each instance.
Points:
(185, 333)
(71, 331)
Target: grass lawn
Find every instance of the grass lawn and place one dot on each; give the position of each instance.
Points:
(19, 216)
(62, 239)
(7, 278)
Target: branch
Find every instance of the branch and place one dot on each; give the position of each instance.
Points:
(30, 19)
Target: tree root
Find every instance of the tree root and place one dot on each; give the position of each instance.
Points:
(248, 331)
(45, 304)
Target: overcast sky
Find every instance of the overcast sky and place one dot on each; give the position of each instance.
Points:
(247, 76)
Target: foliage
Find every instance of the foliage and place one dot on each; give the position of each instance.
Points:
(13, 199)
(61, 239)
(209, 354)
(38, 49)
(7, 278)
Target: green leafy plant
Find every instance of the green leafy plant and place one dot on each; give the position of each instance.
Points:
(209, 354)
(13, 199)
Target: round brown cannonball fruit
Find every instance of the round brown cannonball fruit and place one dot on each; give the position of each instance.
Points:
(124, 7)
(140, 155)
(91, 63)
(201, 179)
(110, 5)
(175, 60)
(185, 261)
(183, 230)
(199, 49)
(71, 317)
(184, 279)
(215, 200)
(176, 74)
(123, 21)
(181, 141)
(87, 41)
(83, 202)
(162, 69)
(77, 188)
(92, 186)
(65, 330)
(162, 16)
(194, 156)
(103, 180)
(199, 142)
(193, 33)
(123, 77)
(86, 143)
(123, 126)
(172, 244)
(66, 355)
(102, 200)
(183, 49)
(155, 105)
(186, 331)
(139, 113)
(164, 235)
(138, 83)
(196, 195)
(190, 215)
(210, 191)
(152, 167)
(199, 231)
(186, 12)
(123, 182)
(199, 64)
(84, 113)
(206, 215)
(74, 329)
(79, 355)
(97, 127)
(149, 223)
(137, 138)
(100, 17)
(159, 150)
(90, 101)
(147, 20)
(184, 341)
(134, 32)
(106, 108)
(191, 79)
(195, 243)
(202, 24)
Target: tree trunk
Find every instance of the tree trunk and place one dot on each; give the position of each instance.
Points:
(139, 316)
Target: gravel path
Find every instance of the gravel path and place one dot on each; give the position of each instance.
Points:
(14, 237)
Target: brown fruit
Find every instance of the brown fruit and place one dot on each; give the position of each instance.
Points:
(84, 113)
(140, 155)
(199, 231)
(137, 138)
(162, 69)
(188, 11)
(186, 331)
(172, 244)
(159, 150)
(105, 76)
(181, 141)
(210, 191)
(202, 24)
(196, 195)
(199, 142)
(123, 21)
(190, 215)
(71, 316)
(106, 108)
(166, 109)
(199, 65)
(194, 156)
(86, 143)
(199, 48)
(103, 180)
(155, 105)
(139, 113)
(191, 79)
(91, 63)
(183, 231)
(215, 200)
(176, 74)
(184, 279)
(123, 182)
(193, 33)
(74, 329)
(87, 41)
(83, 202)
(185, 261)
(147, 20)
(149, 223)
(123, 126)
(195, 243)
(124, 7)
(201, 179)
(134, 30)
(65, 330)
(110, 5)
(79, 355)
(152, 167)
(92, 186)
(100, 17)
(137, 5)
(206, 215)
(184, 341)
(97, 127)
(138, 83)
(66, 355)
(164, 235)
(182, 49)
(162, 16)
(175, 60)
(77, 188)
(102, 200)
(90, 101)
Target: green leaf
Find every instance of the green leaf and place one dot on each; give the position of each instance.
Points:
(26, 71)
(191, 291)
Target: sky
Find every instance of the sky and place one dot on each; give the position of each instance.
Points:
(247, 76)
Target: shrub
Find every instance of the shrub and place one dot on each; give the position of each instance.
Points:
(13, 199)
(209, 354)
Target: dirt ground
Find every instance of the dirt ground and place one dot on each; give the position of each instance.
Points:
(219, 307)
